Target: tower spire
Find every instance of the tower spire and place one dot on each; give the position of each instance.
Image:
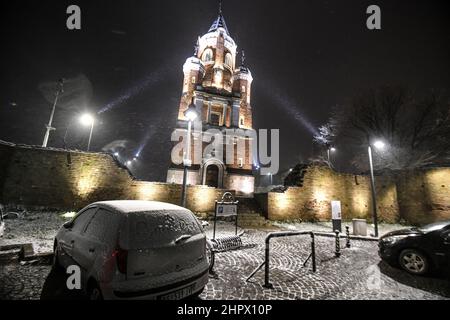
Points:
(220, 21)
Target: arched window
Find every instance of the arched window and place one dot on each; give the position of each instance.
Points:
(229, 60)
(207, 55)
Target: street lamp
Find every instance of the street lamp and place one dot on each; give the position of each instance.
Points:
(191, 115)
(271, 178)
(329, 151)
(50, 121)
(380, 146)
(88, 120)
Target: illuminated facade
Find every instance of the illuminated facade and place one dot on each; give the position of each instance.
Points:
(221, 93)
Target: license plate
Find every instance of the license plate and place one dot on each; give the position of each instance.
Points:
(179, 294)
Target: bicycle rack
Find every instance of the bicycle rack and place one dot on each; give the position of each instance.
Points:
(266, 262)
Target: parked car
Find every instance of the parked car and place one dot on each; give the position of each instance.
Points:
(135, 250)
(418, 250)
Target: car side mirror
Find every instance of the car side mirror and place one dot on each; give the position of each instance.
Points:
(68, 225)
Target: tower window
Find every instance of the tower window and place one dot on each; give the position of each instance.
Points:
(242, 121)
(229, 60)
(207, 55)
(215, 119)
(193, 80)
(243, 89)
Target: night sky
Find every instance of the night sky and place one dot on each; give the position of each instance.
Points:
(305, 56)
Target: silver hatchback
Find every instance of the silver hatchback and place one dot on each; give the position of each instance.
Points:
(135, 250)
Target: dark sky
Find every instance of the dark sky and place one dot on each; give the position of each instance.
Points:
(305, 56)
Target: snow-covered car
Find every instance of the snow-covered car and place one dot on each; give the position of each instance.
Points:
(135, 250)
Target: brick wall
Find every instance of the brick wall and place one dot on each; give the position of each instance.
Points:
(417, 197)
(60, 179)
(424, 195)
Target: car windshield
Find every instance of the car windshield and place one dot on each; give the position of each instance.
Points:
(434, 226)
(155, 229)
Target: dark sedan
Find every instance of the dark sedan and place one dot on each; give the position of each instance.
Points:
(418, 250)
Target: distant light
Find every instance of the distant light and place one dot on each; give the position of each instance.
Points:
(87, 119)
(379, 144)
(333, 149)
(116, 154)
(128, 163)
(69, 215)
(134, 159)
(191, 115)
(290, 170)
(137, 155)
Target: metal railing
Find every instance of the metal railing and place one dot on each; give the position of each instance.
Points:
(266, 262)
(312, 256)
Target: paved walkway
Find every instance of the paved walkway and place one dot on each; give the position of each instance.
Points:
(357, 274)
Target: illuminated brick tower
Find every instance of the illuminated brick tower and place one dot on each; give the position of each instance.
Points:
(221, 93)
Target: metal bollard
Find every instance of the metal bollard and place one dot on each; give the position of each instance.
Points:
(347, 232)
(338, 245)
(313, 252)
(267, 283)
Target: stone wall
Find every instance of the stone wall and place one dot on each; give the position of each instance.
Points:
(61, 179)
(424, 195)
(417, 197)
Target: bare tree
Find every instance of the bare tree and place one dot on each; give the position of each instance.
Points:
(416, 130)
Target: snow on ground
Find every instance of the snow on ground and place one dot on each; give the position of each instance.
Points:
(383, 228)
(38, 228)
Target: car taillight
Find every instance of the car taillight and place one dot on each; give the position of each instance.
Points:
(121, 259)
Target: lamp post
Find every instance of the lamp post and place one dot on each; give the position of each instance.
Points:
(379, 145)
(191, 114)
(329, 151)
(50, 121)
(88, 120)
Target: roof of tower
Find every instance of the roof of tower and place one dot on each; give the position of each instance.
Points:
(219, 23)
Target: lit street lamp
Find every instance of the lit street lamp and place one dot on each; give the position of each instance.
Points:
(50, 121)
(191, 114)
(88, 120)
(379, 145)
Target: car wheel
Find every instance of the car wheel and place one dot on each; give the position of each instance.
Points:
(414, 262)
(197, 294)
(94, 292)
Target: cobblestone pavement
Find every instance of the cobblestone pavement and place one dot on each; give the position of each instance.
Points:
(357, 274)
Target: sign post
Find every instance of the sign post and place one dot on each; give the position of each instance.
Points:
(336, 215)
(227, 207)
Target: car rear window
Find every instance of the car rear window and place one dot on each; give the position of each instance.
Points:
(156, 229)
(103, 227)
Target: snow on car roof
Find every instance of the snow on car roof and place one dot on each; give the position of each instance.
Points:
(129, 206)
